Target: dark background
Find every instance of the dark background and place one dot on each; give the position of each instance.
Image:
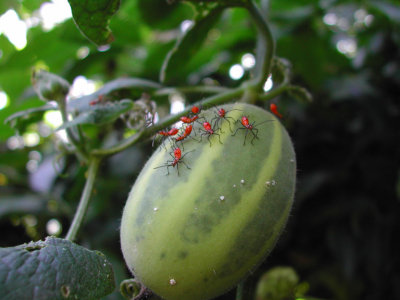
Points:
(342, 234)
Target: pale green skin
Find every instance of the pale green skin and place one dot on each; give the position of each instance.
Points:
(180, 239)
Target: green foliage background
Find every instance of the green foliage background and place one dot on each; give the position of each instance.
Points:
(341, 237)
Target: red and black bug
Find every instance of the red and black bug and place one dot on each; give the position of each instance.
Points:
(221, 115)
(249, 127)
(196, 109)
(274, 109)
(177, 158)
(98, 100)
(208, 131)
(189, 120)
(165, 134)
(186, 133)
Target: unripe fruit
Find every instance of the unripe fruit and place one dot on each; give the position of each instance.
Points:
(197, 234)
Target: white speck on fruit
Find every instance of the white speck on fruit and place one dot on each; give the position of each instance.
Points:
(172, 282)
(270, 183)
(221, 198)
(242, 181)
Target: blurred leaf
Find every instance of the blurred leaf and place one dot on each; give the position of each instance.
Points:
(350, 87)
(188, 45)
(392, 11)
(83, 103)
(25, 6)
(93, 18)
(21, 205)
(20, 120)
(6, 47)
(100, 114)
(161, 14)
(54, 269)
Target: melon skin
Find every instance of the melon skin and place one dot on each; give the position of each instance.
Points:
(198, 234)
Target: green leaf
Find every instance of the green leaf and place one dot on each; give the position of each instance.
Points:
(188, 44)
(22, 205)
(100, 114)
(93, 17)
(392, 11)
(83, 103)
(54, 269)
(20, 120)
(30, 115)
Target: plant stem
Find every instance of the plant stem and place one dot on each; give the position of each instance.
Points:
(265, 47)
(85, 199)
(81, 153)
(148, 132)
(239, 291)
(274, 93)
(191, 89)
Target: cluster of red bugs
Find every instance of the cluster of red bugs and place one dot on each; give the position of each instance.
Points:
(208, 129)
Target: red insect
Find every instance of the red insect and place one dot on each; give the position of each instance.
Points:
(177, 158)
(249, 127)
(165, 134)
(185, 134)
(209, 131)
(189, 120)
(274, 108)
(97, 101)
(220, 115)
(196, 110)
(173, 131)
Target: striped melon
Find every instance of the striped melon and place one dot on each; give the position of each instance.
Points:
(197, 234)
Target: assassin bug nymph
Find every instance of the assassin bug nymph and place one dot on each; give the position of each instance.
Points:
(220, 115)
(165, 134)
(186, 133)
(208, 131)
(177, 158)
(249, 127)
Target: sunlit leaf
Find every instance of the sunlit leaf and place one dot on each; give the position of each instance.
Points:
(83, 103)
(20, 120)
(100, 114)
(93, 18)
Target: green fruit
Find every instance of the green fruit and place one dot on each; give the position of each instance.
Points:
(197, 234)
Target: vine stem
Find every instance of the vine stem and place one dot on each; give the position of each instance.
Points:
(190, 89)
(148, 132)
(239, 291)
(71, 136)
(266, 47)
(85, 199)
